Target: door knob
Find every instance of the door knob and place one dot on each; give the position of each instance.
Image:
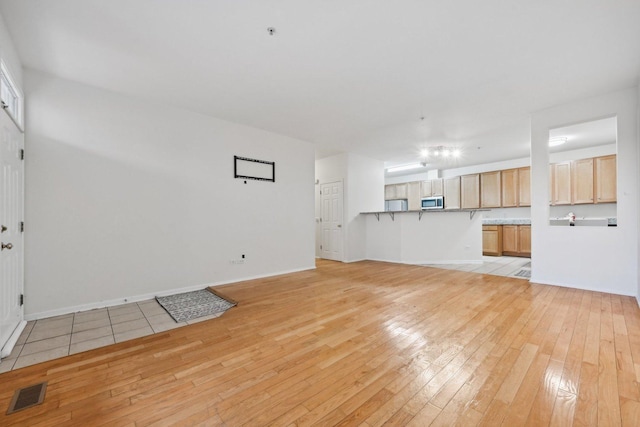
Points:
(3, 228)
(8, 246)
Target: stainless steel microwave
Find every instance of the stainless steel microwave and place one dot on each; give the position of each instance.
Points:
(435, 202)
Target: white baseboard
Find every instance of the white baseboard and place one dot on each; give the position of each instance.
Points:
(535, 280)
(148, 296)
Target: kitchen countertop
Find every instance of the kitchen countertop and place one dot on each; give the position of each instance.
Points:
(527, 221)
(506, 221)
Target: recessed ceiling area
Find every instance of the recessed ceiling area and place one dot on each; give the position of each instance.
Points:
(353, 76)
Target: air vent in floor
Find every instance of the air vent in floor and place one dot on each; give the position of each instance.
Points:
(27, 397)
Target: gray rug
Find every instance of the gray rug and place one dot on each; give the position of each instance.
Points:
(523, 273)
(191, 305)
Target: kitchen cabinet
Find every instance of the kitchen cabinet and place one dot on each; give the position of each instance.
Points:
(524, 186)
(561, 183)
(451, 187)
(582, 181)
(425, 188)
(516, 240)
(509, 188)
(605, 177)
(432, 187)
(492, 240)
(437, 187)
(395, 191)
(413, 196)
(470, 191)
(401, 191)
(490, 189)
(524, 240)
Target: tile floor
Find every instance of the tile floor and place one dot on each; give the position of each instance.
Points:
(496, 265)
(59, 336)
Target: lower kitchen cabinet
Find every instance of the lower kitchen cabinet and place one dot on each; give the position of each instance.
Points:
(516, 240)
(492, 240)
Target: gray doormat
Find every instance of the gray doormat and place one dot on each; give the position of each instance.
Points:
(191, 305)
(523, 273)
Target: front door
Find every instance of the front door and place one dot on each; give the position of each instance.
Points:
(331, 201)
(11, 217)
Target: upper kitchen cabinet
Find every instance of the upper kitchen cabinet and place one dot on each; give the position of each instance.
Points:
(561, 183)
(395, 191)
(451, 189)
(524, 186)
(605, 177)
(509, 184)
(432, 187)
(582, 181)
(469, 191)
(413, 196)
(437, 187)
(490, 189)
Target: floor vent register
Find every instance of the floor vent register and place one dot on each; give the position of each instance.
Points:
(27, 397)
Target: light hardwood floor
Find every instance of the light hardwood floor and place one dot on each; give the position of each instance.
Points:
(366, 344)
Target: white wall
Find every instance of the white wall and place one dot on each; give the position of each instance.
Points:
(437, 238)
(363, 191)
(597, 258)
(126, 199)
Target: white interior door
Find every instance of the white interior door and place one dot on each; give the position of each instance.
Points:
(11, 217)
(331, 219)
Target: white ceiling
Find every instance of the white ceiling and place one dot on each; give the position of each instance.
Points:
(346, 75)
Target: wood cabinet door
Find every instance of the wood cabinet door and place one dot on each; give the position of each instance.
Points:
(390, 192)
(605, 172)
(436, 187)
(413, 196)
(492, 240)
(561, 183)
(524, 186)
(510, 239)
(490, 189)
(509, 181)
(452, 193)
(582, 181)
(524, 240)
(425, 189)
(402, 191)
(470, 191)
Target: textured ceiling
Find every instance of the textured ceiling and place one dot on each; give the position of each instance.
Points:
(345, 75)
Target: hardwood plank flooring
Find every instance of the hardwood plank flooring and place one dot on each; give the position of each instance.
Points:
(367, 344)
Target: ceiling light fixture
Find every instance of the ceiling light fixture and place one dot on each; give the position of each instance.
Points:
(557, 140)
(440, 151)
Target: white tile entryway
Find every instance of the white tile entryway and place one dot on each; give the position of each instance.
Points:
(497, 265)
(59, 336)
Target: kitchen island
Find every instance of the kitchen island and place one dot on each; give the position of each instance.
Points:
(425, 237)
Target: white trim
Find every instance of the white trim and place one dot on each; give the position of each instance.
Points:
(144, 297)
(535, 281)
(13, 339)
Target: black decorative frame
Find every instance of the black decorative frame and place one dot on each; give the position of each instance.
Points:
(237, 159)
